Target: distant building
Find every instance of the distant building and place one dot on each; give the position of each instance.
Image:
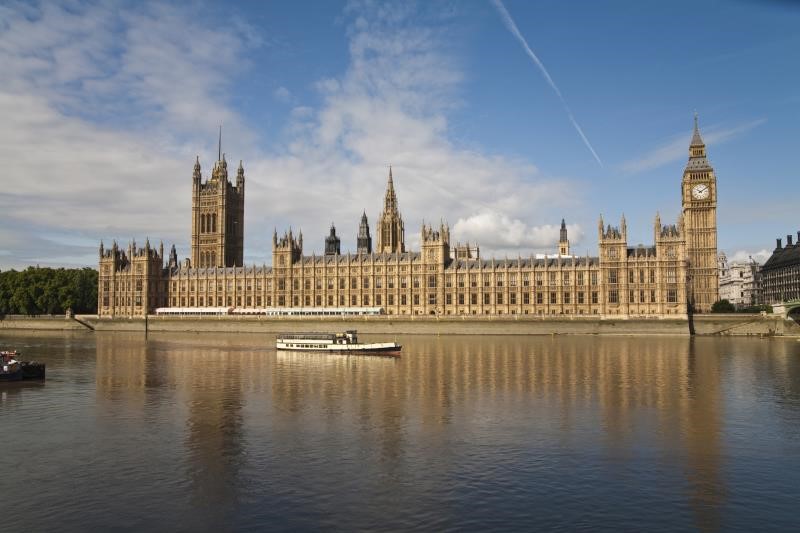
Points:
(739, 282)
(780, 275)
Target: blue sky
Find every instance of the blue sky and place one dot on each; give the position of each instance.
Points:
(106, 105)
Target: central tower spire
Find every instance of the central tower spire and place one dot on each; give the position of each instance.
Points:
(391, 232)
(390, 200)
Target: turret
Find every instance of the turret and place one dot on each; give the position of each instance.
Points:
(332, 243)
(287, 249)
(435, 244)
(173, 258)
(196, 175)
(623, 225)
(240, 176)
(364, 239)
(656, 227)
(563, 241)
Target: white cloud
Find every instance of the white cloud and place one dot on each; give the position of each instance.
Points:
(744, 256)
(104, 111)
(504, 234)
(282, 94)
(677, 147)
(390, 107)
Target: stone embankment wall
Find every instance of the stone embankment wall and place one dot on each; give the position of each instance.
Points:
(745, 324)
(46, 323)
(717, 324)
(395, 325)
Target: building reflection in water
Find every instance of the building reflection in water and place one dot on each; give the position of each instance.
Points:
(445, 404)
(620, 387)
(165, 380)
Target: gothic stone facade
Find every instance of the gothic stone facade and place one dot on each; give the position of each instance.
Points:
(217, 217)
(440, 279)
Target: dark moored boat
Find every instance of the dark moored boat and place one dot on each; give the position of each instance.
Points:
(12, 369)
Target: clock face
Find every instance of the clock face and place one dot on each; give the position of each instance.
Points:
(700, 191)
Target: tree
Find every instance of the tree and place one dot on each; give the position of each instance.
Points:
(723, 306)
(36, 291)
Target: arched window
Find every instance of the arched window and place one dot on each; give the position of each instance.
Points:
(213, 259)
(202, 223)
(214, 222)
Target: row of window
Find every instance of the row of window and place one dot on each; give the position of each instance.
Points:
(513, 297)
(567, 298)
(634, 276)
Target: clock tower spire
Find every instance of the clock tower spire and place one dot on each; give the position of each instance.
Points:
(699, 202)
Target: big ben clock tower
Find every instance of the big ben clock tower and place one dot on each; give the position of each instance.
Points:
(699, 200)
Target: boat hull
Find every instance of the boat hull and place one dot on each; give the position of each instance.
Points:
(33, 371)
(366, 349)
(11, 376)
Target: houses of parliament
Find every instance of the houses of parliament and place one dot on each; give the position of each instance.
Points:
(675, 274)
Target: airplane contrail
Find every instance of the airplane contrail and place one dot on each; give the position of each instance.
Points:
(512, 27)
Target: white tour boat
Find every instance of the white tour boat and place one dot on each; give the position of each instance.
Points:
(346, 342)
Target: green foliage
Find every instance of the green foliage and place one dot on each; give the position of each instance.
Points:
(722, 306)
(48, 291)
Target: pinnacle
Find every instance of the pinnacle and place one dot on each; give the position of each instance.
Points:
(696, 138)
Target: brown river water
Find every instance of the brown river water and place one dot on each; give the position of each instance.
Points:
(212, 432)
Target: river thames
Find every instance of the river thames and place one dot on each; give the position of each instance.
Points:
(221, 432)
